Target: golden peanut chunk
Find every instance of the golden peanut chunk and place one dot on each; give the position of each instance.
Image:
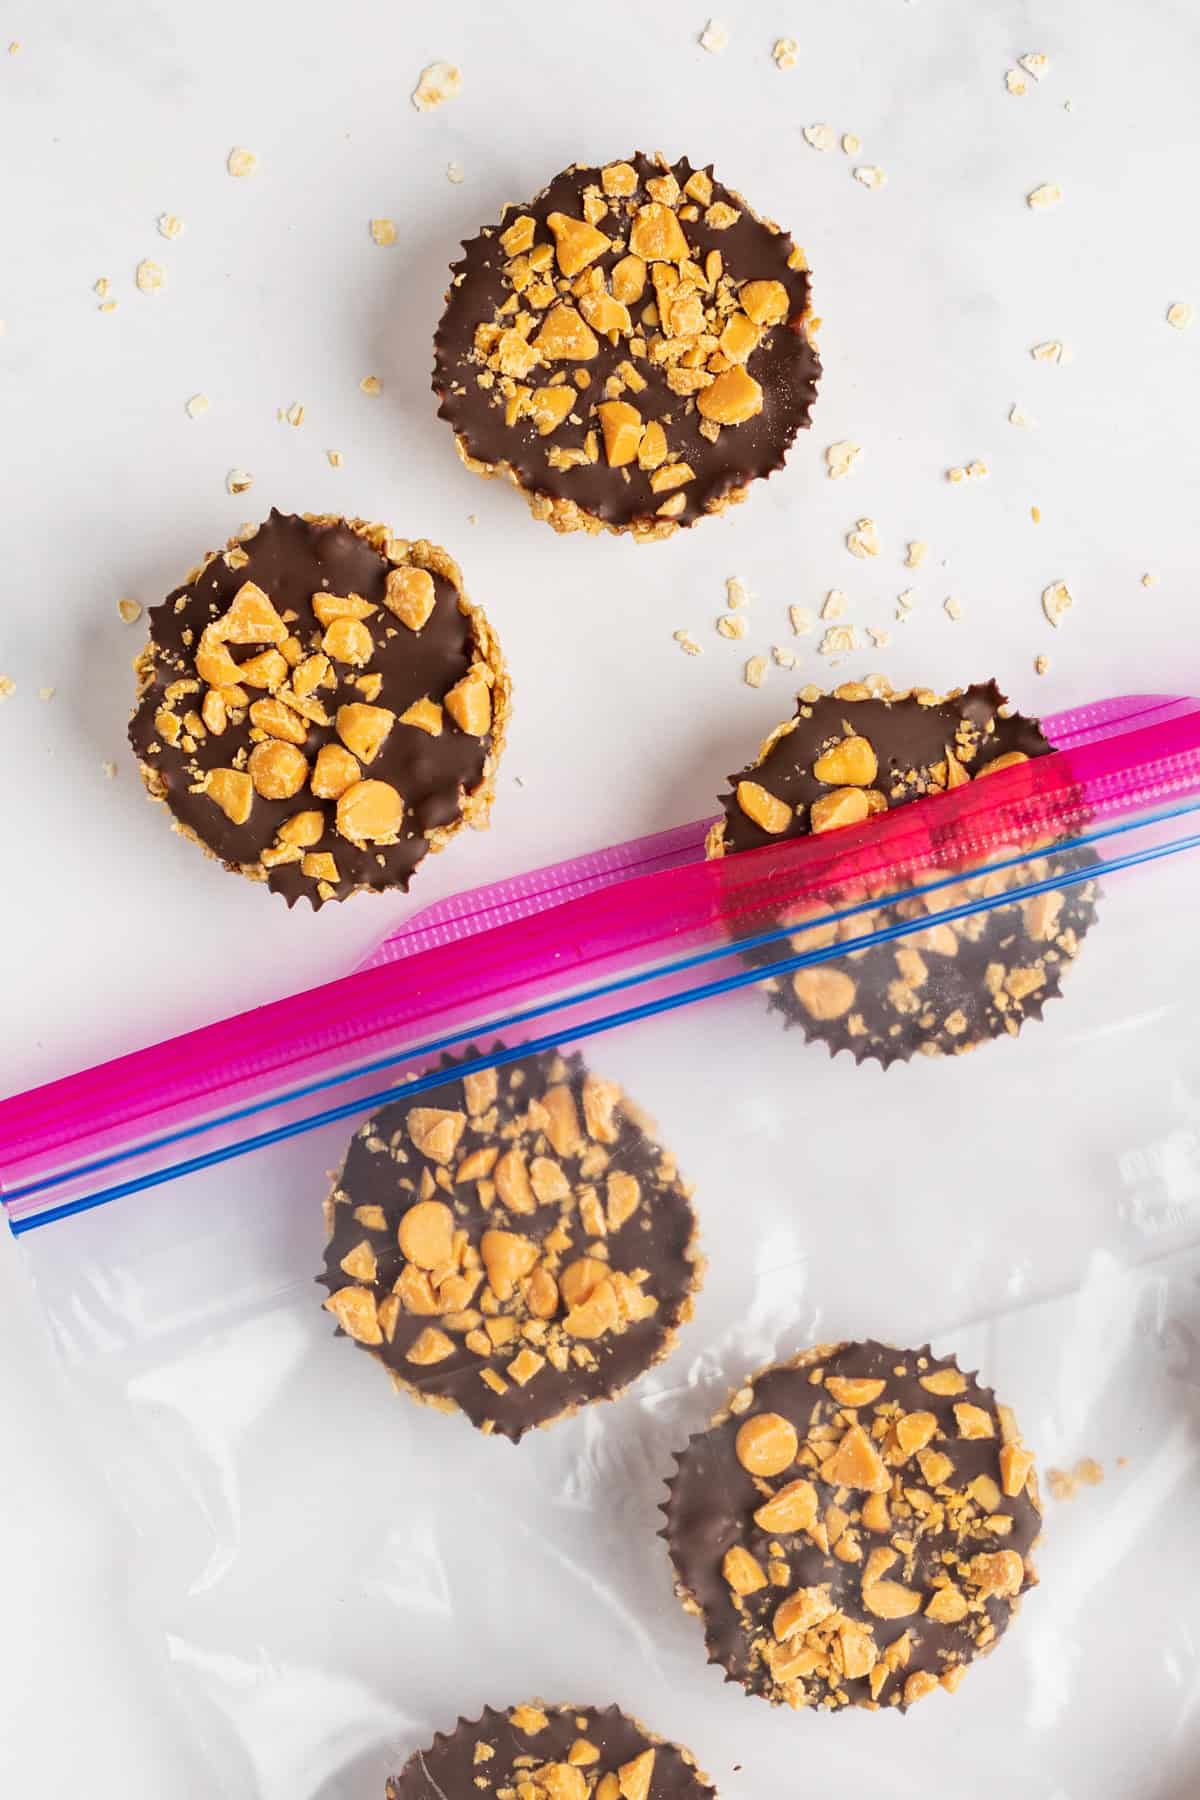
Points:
(233, 791)
(319, 865)
(652, 451)
(766, 302)
(582, 1753)
(856, 1464)
(266, 670)
(605, 315)
(563, 1128)
(410, 595)
(859, 1653)
(944, 1381)
(361, 1262)
(739, 338)
(766, 1444)
(363, 728)
(355, 1310)
(946, 1605)
(576, 243)
(436, 1131)
(580, 1279)
(512, 1183)
(557, 1781)
(542, 1294)
(213, 661)
(1041, 915)
(973, 1421)
(985, 1493)
(624, 1197)
(801, 1611)
(918, 1684)
(854, 1390)
(596, 1315)
(415, 1291)
(480, 1090)
(529, 1719)
(935, 1466)
(329, 607)
(850, 763)
(333, 772)
(308, 674)
(742, 1571)
(549, 406)
(425, 714)
(633, 1778)
(518, 236)
(732, 398)
(348, 641)
(621, 425)
(547, 1180)
(370, 812)
(843, 806)
(303, 829)
(767, 810)
(629, 279)
(657, 236)
(469, 704)
(251, 619)
(824, 993)
(214, 712)
(1008, 761)
(875, 1514)
(508, 1258)
(426, 1234)
(433, 1346)
(279, 721)
(792, 1508)
(565, 336)
(996, 1572)
(1015, 1464)
(278, 770)
(600, 1102)
(913, 1431)
(522, 1369)
(673, 475)
(890, 1600)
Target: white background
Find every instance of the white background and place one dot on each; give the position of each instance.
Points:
(932, 290)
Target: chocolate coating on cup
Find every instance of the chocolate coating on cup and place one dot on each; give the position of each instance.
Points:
(196, 740)
(856, 1528)
(566, 470)
(550, 1753)
(513, 1245)
(946, 988)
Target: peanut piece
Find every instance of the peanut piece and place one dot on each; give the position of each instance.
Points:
(890, 1600)
(996, 1572)
(766, 1444)
(733, 398)
(849, 1390)
(512, 1183)
(856, 1464)
(333, 772)
(850, 763)
(348, 641)
(633, 1777)
(580, 1279)
(565, 337)
(742, 1571)
(824, 993)
(410, 595)
(629, 280)
(563, 1128)
(426, 1234)
(1015, 1465)
(624, 1197)
(329, 607)
(425, 714)
(363, 728)
(469, 704)
(944, 1381)
(542, 1294)
(361, 1262)
(792, 1508)
(652, 451)
(598, 1313)
(1008, 761)
(801, 1611)
(844, 806)
(739, 338)
(266, 670)
(549, 406)
(767, 810)
(251, 619)
(919, 1683)
(766, 302)
(415, 1291)
(433, 1346)
(303, 829)
(507, 1259)
(621, 425)
(279, 721)
(278, 770)
(436, 1132)
(576, 243)
(914, 1431)
(973, 1421)
(319, 865)
(232, 791)
(355, 1310)
(480, 1090)
(370, 812)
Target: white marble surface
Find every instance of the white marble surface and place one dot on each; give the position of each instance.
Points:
(933, 290)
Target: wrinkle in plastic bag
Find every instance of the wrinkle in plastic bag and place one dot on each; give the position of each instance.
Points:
(325, 1573)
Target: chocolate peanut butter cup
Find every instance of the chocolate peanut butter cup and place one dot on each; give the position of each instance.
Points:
(632, 349)
(540, 1752)
(320, 705)
(956, 983)
(855, 1527)
(512, 1245)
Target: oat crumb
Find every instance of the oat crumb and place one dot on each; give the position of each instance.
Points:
(864, 539)
(334, 458)
(869, 175)
(1057, 601)
(169, 225)
(383, 232)
(237, 481)
(784, 53)
(1035, 64)
(197, 406)
(472, 518)
(756, 671)
(687, 643)
(736, 592)
(1041, 663)
(101, 286)
(130, 610)
(241, 162)
(1053, 351)
(455, 173)
(821, 137)
(916, 553)
(47, 693)
(850, 143)
(801, 618)
(835, 604)
(784, 657)
(371, 384)
(879, 636)
(732, 625)
(7, 686)
(1015, 82)
(1149, 580)
(1018, 416)
(839, 640)
(15, 47)
(295, 413)
(109, 306)
(1035, 513)
(110, 770)
(714, 38)
(150, 276)
(1180, 314)
(841, 458)
(905, 603)
(1044, 197)
(952, 608)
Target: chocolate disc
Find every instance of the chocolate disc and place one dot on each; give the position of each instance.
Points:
(953, 985)
(514, 1244)
(632, 348)
(855, 1528)
(320, 706)
(540, 1752)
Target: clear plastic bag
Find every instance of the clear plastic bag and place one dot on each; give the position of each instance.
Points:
(325, 1573)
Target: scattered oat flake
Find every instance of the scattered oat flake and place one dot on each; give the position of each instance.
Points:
(864, 539)
(841, 458)
(1035, 513)
(1035, 64)
(732, 625)
(455, 173)
(850, 143)
(839, 640)
(801, 618)
(472, 518)
(879, 637)
(371, 384)
(14, 47)
(756, 671)
(7, 686)
(1054, 351)
(237, 481)
(295, 413)
(47, 693)
(785, 658)
(736, 591)
(101, 286)
(978, 470)
(916, 553)
(1015, 82)
(241, 162)
(1057, 600)
(109, 306)
(714, 37)
(821, 137)
(1149, 580)
(334, 458)
(150, 276)
(952, 607)
(1044, 197)
(687, 643)
(956, 475)
(197, 406)
(1041, 664)
(1018, 416)
(869, 175)
(383, 232)
(785, 52)
(169, 225)
(905, 603)
(439, 82)
(130, 610)
(110, 769)
(1180, 314)
(835, 604)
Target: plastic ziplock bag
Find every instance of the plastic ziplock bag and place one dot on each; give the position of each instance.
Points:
(326, 1573)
